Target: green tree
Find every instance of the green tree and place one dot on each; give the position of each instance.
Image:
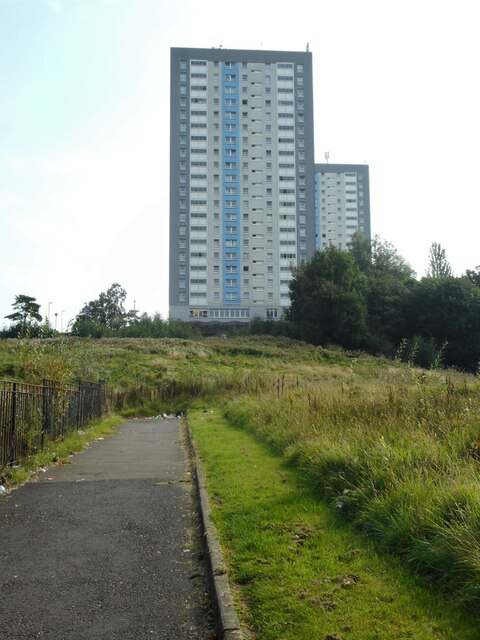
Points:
(438, 265)
(446, 311)
(387, 260)
(327, 297)
(26, 315)
(473, 275)
(390, 280)
(360, 248)
(103, 316)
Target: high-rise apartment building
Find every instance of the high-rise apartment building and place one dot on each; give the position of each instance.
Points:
(242, 189)
(342, 203)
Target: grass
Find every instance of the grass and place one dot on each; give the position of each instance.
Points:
(400, 462)
(57, 452)
(395, 450)
(298, 570)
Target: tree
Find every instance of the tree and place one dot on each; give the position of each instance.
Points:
(102, 316)
(387, 260)
(26, 314)
(439, 267)
(473, 275)
(447, 311)
(327, 298)
(390, 280)
(360, 247)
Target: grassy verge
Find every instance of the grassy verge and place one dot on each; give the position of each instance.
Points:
(299, 571)
(400, 462)
(57, 452)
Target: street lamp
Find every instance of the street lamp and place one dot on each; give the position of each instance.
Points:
(49, 305)
(56, 315)
(61, 320)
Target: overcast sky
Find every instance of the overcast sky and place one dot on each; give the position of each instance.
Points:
(84, 129)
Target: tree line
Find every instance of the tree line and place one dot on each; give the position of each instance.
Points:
(367, 298)
(103, 317)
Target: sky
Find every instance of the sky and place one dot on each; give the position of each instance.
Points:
(84, 130)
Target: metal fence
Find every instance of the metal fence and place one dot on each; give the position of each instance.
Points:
(31, 414)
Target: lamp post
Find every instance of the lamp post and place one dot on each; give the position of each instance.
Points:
(49, 305)
(61, 320)
(56, 316)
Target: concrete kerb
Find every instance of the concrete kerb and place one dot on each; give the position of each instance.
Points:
(227, 619)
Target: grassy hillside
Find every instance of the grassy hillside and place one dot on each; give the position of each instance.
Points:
(394, 449)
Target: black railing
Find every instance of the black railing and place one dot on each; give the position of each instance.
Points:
(31, 414)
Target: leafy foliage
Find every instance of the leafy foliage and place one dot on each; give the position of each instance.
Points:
(447, 310)
(328, 299)
(25, 317)
(439, 267)
(105, 313)
(473, 275)
(390, 279)
(106, 317)
(371, 300)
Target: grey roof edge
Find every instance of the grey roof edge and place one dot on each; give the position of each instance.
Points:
(338, 168)
(248, 55)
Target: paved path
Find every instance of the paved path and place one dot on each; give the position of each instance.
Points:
(106, 548)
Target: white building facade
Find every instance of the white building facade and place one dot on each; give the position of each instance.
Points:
(242, 184)
(342, 203)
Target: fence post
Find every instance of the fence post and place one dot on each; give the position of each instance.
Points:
(12, 423)
(44, 411)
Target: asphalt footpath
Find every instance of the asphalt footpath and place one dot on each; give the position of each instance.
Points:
(107, 547)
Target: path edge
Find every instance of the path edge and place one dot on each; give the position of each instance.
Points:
(228, 625)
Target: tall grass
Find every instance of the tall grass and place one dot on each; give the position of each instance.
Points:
(400, 459)
(396, 450)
